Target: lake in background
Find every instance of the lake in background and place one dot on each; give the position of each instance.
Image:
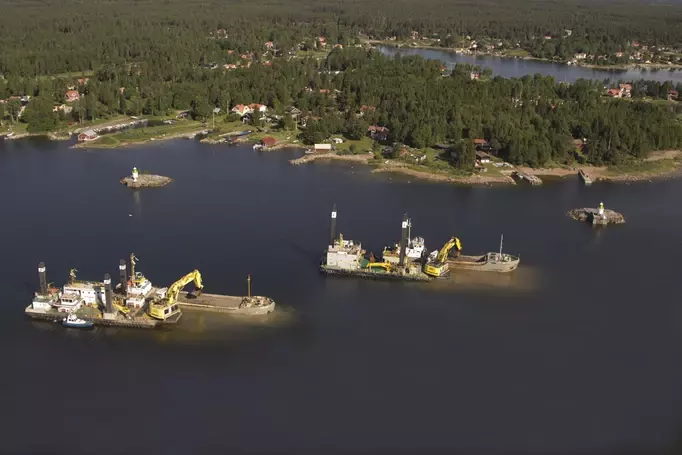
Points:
(578, 352)
(516, 67)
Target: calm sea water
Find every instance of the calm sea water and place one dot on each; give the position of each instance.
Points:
(578, 352)
(511, 67)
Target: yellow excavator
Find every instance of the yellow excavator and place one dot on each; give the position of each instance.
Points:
(167, 307)
(387, 266)
(438, 267)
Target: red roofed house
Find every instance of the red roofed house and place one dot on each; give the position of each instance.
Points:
(260, 108)
(322, 40)
(378, 133)
(83, 81)
(268, 141)
(626, 90)
(88, 135)
(241, 110)
(673, 95)
(72, 95)
(230, 66)
(269, 44)
(474, 76)
(614, 92)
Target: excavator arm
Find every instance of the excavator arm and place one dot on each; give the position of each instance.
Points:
(167, 307)
(175, 288)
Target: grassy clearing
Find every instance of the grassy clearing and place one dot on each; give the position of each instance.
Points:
(361, 146)
(517, 53)
(645, 167)
(146, 134)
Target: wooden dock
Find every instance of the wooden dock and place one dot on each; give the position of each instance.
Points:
(585, 177)
(530, 178)
(243, 305)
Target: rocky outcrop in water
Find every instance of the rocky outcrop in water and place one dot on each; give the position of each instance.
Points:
(592, 216)
(146, 181)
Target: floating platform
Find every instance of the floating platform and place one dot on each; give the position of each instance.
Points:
(592, 216)
(375, 275)
(106, 320)
(246, 306)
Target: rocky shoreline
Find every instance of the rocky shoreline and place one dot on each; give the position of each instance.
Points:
(146, 181)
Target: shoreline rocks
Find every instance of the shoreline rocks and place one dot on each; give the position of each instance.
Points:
(146, 181)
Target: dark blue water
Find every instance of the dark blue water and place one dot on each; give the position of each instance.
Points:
(579, 352)
(513, 67)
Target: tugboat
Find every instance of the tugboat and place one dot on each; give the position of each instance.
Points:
(75, 322)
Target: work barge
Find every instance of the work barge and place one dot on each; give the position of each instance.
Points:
(134, 302)
(347, 258)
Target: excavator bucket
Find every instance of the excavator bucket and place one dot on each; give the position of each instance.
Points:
(195, 293)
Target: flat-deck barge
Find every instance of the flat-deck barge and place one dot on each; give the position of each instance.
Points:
(247, 306)
(135, 303)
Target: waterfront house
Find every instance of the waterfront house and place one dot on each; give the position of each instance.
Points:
(230, 66)
(88, 135)
(269, 45)
(481, 144)
(673, 95)
(322, 148)
(241, 110)
(378, 133)
(626, 90)
(474, 75)
(482, 157)
(72, 95)
(580, 56)
(267, 141)
(614, 93)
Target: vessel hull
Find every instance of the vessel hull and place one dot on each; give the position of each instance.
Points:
(480, 264)
(373, 275)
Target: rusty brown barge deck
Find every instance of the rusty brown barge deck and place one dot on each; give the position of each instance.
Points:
(246, 306)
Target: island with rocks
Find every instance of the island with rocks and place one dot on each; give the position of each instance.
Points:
(598, 217)
(137, 180)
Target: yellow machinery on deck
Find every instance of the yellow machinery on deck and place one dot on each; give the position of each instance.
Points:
(438, 267)
(167, 307)
(387, 266)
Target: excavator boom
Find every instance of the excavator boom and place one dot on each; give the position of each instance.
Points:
(167, 307)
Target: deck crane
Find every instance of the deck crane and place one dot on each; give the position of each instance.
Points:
(167, 307)
(438, 266)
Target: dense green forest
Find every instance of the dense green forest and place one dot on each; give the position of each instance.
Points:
(54, 36)
(148, 58)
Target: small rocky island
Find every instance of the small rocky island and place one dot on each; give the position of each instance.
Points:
(137, 180)
(599, 216)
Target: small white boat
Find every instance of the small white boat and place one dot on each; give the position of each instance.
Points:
(74, 321)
